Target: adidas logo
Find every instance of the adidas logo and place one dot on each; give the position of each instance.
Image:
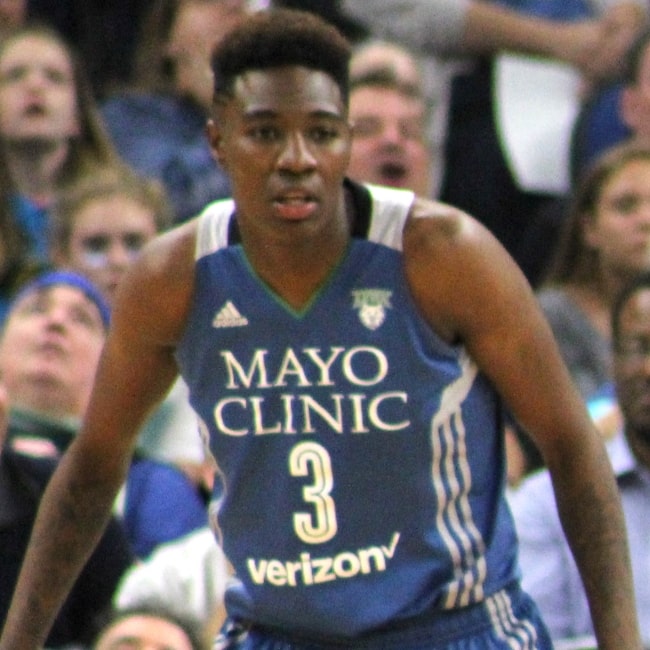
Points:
(229, 316)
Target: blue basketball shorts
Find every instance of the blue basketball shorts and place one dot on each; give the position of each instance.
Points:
(506, 620)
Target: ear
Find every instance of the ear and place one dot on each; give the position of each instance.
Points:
(214, 135)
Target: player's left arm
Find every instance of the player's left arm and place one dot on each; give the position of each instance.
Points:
(473, 293)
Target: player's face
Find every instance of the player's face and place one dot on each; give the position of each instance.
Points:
(284, 139)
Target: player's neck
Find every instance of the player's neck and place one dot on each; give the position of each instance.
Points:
(296, 268)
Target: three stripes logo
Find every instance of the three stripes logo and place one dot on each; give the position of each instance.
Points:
(229, 316)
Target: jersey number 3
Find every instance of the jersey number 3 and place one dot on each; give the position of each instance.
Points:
(313, 460)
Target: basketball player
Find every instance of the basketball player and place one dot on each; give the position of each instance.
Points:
(347, 351)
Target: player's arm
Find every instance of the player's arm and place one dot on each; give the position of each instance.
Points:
(135, 372)
(471, 292)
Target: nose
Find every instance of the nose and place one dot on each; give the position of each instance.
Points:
(296, 156)
(391, 133)
(118, 255)
(57, 317)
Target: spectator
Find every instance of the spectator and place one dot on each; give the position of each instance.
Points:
(151, 627)
(389, 114)
(477, 176)
(49, 351)
(605, 242)
(23, 478)
(50, 129)
(548, 570)
(171, 96)
(100, 225)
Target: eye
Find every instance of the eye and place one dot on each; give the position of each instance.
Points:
(12, 74)
(36, 304)
(83, 316)
(264, 133)
(625, 203)
(323, 134)
(57, 77)
(133, 242)
(96, 244)
(367, 127)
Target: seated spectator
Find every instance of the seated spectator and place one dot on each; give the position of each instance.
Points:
(605, 242)
(189, 574)
(23, 480)
(172, 94)
(50, 129)
(49, 351)
(150, 627)
(549, 573)
(389, 114)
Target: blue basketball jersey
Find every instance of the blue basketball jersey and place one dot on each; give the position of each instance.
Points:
(361, 457)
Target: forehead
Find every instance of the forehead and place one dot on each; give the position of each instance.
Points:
(631, 171)
(379, 100)
(287, 90)
(56, 295)
(109, 213)
(156, 631)
(30, 48)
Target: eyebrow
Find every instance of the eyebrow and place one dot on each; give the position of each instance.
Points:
(267, 113)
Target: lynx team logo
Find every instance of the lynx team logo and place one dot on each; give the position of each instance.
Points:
(372, 305)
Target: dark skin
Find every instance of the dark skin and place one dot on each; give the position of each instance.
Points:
(285, 139)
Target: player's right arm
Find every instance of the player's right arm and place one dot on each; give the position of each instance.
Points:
(136, 371)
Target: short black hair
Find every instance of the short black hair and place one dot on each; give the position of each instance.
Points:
(281, 37)
(639, 283)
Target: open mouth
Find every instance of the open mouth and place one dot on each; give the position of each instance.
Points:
(35, 110)
(294, 206)
(392, 172)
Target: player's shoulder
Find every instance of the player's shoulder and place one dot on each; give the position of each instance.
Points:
(157, 288)
(433, 224)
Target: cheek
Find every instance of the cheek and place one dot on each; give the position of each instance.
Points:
(69, 113)
(90, 350)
